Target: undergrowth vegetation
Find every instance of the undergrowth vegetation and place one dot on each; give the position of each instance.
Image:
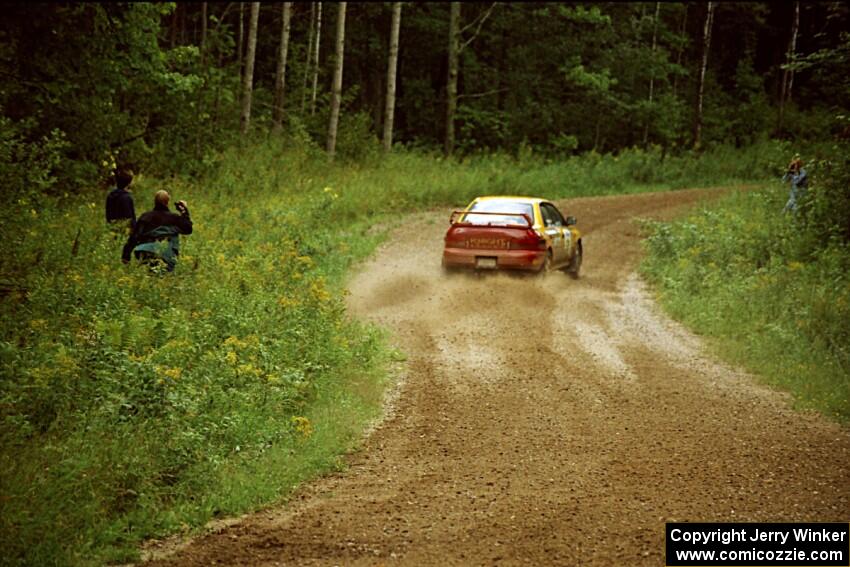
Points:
(135, 404)
(772, 288)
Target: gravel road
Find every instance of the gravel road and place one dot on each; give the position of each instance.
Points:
(545, 421)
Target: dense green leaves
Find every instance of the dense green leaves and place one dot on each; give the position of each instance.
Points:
(131, 83)
(772, 287)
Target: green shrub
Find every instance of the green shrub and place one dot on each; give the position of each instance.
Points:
(773, 289)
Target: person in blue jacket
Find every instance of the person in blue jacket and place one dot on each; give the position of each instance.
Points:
(156, 236)
(799, 184)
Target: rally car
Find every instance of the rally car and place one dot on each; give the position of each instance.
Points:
(515, 233)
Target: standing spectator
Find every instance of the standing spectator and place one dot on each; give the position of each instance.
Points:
(119, 201)
(120, 212)
(799, 183)
(156, 236)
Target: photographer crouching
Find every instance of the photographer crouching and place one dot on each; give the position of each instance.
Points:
(155, 239)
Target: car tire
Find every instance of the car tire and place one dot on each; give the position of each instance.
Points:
(547, 264)
(575, 264)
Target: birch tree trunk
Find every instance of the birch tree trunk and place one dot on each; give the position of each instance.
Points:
(652, 76)
(280, 79)
(706, 43)
(787, 74)
(316, 58)
(336, 96)
(392, 64)
(311, 33)
(248, 78)
(451, 85)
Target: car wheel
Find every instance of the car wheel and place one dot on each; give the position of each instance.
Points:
(575, 264)
(547, 264)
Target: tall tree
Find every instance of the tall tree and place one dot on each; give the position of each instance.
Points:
(451, 85)
(455, 49)
(652, 70)
(248, 78)
(241, 41)
(336, 96)
(706, 43)
(392, 64)
(787, 73)
(280, 78)
(309, 50)
(316, 58)
(203, 31)
(681, 50)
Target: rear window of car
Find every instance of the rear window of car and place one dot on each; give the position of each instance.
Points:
(513, 212)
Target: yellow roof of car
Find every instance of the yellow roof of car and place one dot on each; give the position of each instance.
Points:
(513, 198)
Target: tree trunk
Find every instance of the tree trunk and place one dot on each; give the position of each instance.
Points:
(183, 24)
(199, 101)
(706, 43)
(392, 64)
(451, 86)
(203, 32)
(280, 82)
(241, 42)
(248, 78)
(787, 74)
(337, 84)
(316, 58)
(651, 76)
(309, 55)
(682, 30)
(175, 21)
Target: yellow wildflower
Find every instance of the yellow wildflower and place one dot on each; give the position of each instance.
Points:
(234, 342)
(231, 358)
(319, 292)
(248, 369)
(173, 373)
(302, 425)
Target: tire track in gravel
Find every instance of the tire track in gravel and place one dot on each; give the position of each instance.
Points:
(545, 421)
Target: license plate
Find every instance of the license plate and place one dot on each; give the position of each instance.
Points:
(487, 263)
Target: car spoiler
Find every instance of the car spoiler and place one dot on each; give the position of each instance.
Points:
(527, 219)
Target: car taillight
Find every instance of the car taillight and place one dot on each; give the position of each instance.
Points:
(451, 238)
(529, 241)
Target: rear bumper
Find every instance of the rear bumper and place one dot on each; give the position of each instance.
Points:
(531, 260)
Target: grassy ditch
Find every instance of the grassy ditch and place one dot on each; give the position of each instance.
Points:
(773, 294)
(136, 405)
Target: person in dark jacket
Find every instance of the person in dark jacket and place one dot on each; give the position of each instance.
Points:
(120, 212)
(156, 235)
(119, 201)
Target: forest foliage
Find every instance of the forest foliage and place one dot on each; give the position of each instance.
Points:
(155, 86)
(134, 405)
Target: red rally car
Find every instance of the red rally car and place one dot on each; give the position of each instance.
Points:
(516, 233)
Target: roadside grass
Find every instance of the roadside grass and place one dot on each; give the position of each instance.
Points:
(770, 296)
(136, 405)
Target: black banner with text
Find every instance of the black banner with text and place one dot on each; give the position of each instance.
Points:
(745, 544)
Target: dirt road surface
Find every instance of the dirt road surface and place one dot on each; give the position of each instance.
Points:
(545, 421)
